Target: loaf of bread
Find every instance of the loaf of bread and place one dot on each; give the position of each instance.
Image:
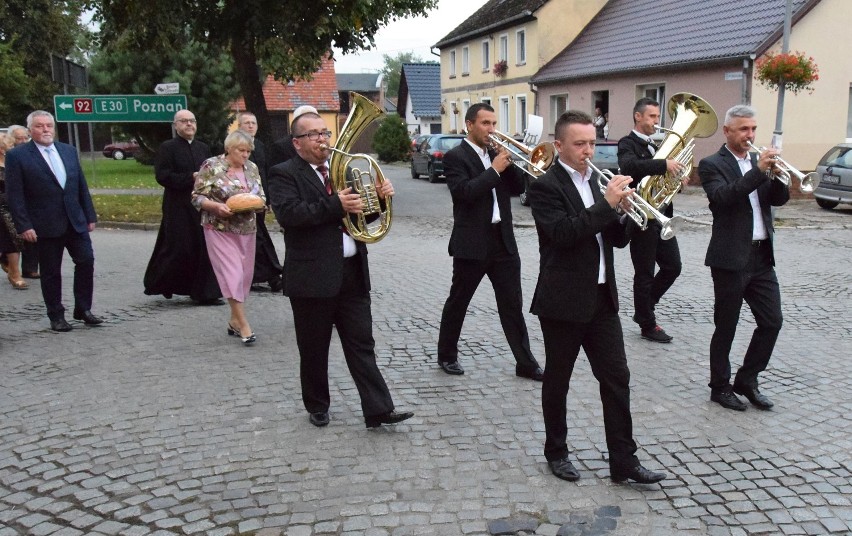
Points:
(245, 203)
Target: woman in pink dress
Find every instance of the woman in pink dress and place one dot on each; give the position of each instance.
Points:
(230, 234)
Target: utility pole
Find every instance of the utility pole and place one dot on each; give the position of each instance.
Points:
(777, 135)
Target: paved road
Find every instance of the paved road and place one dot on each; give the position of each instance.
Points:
(159, 423)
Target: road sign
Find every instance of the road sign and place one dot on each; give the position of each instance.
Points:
(117, 108)
(167, 88)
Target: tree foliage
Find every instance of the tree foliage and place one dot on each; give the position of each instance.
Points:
(281, 37)
(391, 141)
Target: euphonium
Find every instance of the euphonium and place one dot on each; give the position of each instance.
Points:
(692, 117)
(364, 182)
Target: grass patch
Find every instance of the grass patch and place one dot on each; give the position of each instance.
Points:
(119, 174)
(128, 208)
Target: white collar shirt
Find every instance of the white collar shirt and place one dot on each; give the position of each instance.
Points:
(585, 189)
(652, 145)
(349, 247)
(758, 227)
(486, 162)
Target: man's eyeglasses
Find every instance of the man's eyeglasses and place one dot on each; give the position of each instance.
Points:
(315, 136)
(185, 121)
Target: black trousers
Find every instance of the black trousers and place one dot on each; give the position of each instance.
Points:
(758, 286)
(504, 271)
(647, 250)
(29, 258)
(267, 267)
(350, 313)
(602, 340)
(50, 251)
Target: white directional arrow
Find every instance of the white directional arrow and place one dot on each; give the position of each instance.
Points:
(65, 106)
(168, 88)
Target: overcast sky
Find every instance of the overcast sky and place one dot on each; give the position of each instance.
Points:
(409, 35)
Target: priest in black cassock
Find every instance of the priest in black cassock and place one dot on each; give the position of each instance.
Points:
(267, 267)
(179, 263)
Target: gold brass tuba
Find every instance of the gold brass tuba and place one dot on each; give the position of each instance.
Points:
(362, 112)
(692, 117)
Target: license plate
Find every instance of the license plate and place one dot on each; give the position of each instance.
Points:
(830, 179)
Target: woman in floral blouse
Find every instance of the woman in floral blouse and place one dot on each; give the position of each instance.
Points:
(230, 236)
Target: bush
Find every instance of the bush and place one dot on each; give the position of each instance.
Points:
(391, 141)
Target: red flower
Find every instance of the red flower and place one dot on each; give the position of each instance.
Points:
(793, 71)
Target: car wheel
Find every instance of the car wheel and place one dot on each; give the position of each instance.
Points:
(826, 204)
(414, 174)
(118, 155)
(433, 177)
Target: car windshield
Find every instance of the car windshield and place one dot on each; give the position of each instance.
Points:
(445, 144)
(606, 155)
(838, 157)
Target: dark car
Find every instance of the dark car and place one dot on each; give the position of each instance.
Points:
(417, 140)
(835, 177)
(605, 158)
(121, 150)
(428, 159)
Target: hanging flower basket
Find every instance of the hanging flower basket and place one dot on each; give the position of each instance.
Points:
(792, 70)
(500, 68)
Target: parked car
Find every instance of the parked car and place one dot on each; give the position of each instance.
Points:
(605, 158)
(428, 159)
(417, 140)
(835, 177)
(121, 150)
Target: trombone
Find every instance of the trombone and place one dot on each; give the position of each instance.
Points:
(639, 210)
(783, 172)
(537, 159)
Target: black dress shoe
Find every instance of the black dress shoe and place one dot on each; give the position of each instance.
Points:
(276, 284)
(532, 373)
(88, 318)
(656, 334)
(754, 396)
(393, 417)
(60, 324)
(451, 367)
(319, 418)
(564, 469)
(727, 399)
(640, 475)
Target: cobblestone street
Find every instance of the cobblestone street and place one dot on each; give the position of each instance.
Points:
(158, 423)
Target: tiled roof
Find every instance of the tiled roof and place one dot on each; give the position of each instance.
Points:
(493, 15)
(358, 82)
(629, 35)
(320, 92)
(423, 82)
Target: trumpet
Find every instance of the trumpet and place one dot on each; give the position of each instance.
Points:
(783, 171)
(537, 159)
(639, 210)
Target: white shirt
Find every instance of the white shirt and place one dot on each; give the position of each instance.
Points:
(585, 189)
(758, 228)
(43, 150)
(652, 145)
(349, 248)
(486, 161)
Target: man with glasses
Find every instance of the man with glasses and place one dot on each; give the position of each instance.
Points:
(179, 263)
(326, 275)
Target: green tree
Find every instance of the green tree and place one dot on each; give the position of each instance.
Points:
(393, 69)
(203, 73)
(286, 38)
(14, 85)
(391, 141)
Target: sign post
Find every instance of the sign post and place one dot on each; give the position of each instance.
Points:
(118, 108)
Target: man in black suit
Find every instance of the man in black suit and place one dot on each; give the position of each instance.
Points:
(483, 241)
(282, 149)
(741, 256)
(50, 203)
(636, 158)
(179, 263)
(267, 267)
(576, 299)
(326, 276)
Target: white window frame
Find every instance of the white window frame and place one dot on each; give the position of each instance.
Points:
(486, 100)
(521, 114)
(521, 46)
(454, 118)
(556, 110)
(503, 112)
(465, 107)
(465, 61)
(656, 91)
(486, 56)
(503, 48)
(452, 60)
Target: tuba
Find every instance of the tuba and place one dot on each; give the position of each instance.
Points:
(692, 117)
(364, 182)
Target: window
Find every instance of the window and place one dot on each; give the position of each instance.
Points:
(521, 45)
(486, 56)
(656, 92)
(465, 107)
(452, 64)
(465, 61)
(521, 116)
(503, 116)
(454, 117)
(486, 100)
(558, 105)
(503, 52)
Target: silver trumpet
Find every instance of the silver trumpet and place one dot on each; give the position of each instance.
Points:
(639, 210)
(783, 171)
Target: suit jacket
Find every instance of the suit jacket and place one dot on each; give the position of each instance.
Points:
(280, 151)
(570, 256)
(727, 191)
(35, 198)
(470, 185)
(311, 218)
(636, 160)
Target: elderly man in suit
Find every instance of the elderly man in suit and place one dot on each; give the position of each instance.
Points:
(576, 298)
(483, 242)
(741, 257)
(636, 158)
(326, 275)
(50, 203)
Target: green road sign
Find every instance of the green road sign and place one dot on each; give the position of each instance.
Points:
(117, 108)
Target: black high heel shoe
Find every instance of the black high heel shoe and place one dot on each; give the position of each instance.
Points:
(232, 331)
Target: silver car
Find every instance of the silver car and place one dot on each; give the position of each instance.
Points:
(835, 174)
